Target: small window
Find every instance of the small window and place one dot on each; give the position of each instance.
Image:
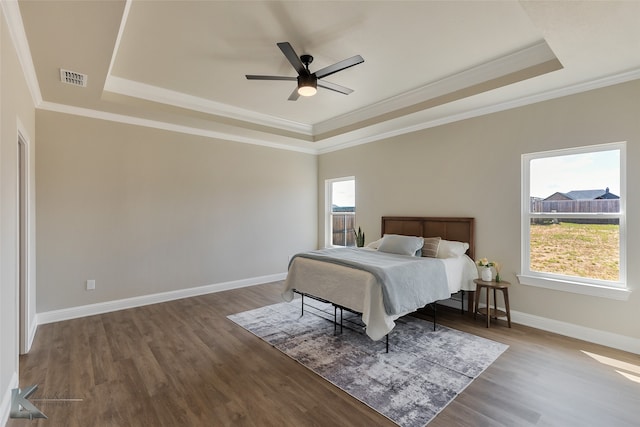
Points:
(341, 211)
(573, 219)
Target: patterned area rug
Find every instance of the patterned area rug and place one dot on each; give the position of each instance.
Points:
(422, 373)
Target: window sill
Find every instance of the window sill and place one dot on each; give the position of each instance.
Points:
(621, 294)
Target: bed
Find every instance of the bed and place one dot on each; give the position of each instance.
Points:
(359, 290)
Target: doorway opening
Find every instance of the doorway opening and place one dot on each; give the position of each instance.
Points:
(24, 281)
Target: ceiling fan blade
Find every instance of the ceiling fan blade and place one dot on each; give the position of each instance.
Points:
(258, 77)
(294, 95)
(293, 57)
(334, 87)
(339, 66)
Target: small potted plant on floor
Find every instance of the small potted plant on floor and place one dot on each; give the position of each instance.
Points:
(359, 237)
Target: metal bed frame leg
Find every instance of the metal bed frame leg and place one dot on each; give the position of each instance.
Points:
(434, 315)
(335, 318)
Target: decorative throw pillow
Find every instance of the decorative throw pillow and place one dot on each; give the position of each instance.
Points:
(401, 245)
(451, 249)
(430, 246)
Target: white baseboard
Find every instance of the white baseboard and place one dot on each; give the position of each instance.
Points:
(609, 339)
(33, 328)
(5, 403)
(109, 306)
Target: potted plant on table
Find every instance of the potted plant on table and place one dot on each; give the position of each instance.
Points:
(485, 269)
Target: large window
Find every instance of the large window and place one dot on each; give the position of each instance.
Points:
(341, 211)
(573, 220)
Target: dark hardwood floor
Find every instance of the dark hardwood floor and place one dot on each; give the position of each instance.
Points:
(183, 363)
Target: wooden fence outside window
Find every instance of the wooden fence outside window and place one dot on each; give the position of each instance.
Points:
(343, 227)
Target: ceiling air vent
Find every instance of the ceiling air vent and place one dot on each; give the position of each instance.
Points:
(73, 78)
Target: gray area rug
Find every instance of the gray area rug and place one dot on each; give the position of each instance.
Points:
(422, 373)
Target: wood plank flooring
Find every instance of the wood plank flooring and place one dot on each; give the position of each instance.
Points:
(183, 363)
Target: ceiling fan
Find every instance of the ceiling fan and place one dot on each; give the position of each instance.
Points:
(308, 82)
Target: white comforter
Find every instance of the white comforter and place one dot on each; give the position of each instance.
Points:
(359, 290)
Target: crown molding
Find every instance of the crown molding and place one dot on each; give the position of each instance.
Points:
(522, 59)
(385, 130)
(391, 128)
(172, 127)
(11, 12)
(123, 23)
(177, 99)
(420, 123)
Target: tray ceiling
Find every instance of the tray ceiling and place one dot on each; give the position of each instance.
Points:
(181, 65)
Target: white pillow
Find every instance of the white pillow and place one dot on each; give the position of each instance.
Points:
(374, 244)
(401, 245)
(451, 249)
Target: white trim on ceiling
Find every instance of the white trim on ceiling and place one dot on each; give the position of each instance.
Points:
(156, 124)
(12, 16)
(421, 124)
(373, 133)
(181, 100)
(123, 23)
(164, 96)
(378, 132)
(517, 61)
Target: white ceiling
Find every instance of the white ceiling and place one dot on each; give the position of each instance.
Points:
(181, 65)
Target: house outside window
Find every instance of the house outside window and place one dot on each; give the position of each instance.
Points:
(341, 212)
(573, 220)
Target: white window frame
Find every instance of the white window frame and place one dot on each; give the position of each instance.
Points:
(587, 286)
(328, 198)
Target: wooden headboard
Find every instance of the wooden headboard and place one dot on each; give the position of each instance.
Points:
(448, 228)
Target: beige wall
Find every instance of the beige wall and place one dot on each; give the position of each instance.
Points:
(16, 111)
(145, 211)
(472, 168)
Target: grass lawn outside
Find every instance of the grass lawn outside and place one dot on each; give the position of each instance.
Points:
(582, 250)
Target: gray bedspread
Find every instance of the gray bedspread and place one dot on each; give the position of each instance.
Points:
(407, 282)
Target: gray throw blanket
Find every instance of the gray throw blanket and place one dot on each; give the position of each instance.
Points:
(407, 282)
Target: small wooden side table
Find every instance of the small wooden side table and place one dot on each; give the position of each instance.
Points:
(488, 311)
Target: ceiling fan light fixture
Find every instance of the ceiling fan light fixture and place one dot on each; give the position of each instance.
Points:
(307, 85)
(307, 90)
(308, 81)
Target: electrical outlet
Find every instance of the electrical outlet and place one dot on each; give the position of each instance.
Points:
(91, 285)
